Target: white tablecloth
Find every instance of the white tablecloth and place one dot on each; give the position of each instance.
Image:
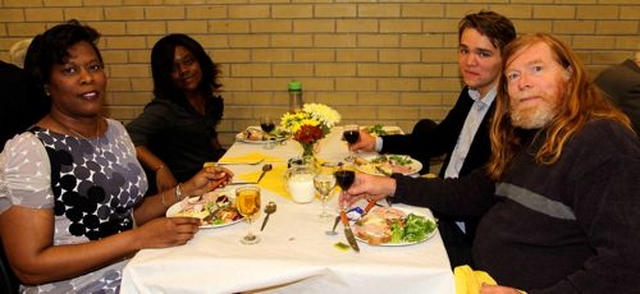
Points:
(294, 256)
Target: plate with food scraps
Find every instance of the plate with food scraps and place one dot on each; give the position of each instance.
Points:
(394, 227)
(387, 164)
(255, 135)
(382, 130)
(200, 207)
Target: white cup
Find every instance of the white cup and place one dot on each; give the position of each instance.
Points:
(300, 186)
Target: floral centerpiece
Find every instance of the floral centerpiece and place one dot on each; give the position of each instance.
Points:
(310, 124)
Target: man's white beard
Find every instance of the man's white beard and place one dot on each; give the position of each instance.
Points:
(532, 117)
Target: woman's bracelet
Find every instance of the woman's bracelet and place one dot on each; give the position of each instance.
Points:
(158, 168)
(162, 199)
(179, 193)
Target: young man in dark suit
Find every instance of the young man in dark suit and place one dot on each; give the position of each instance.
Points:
(463, 136)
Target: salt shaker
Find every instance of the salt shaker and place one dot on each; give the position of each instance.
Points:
(295, 96)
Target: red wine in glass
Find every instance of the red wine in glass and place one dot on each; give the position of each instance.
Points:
(351, 136)
(345, 178)
(267, 127)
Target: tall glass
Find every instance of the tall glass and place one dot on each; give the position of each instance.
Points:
(248, 203)
(324, 182)
(351, 134)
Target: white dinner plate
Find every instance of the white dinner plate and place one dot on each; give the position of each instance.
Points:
(389, 130)
(242, 137)
(371, 168)
(178, 207)
(400, 244)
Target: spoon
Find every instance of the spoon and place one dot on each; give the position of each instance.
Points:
(268, 209)
(265, 168)
(333, 230)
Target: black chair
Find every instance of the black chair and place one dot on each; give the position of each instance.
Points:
(421, 128)
(9, 283)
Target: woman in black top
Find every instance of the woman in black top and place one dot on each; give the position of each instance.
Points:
(176, 133)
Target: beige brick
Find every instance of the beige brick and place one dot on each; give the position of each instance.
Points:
(335, 10)
(293, 69)
(130, 98)
(378, 70)
(334, 40)
(271, 55)
(12, 15)
(355, 55)
(84, 14)
(421, 40)
(249, 11)
(231, 56)
(62, 3)
(420, 70)
(597, 12)
(213, 41)
(456, 11)
(251, 70)
(206, 11)
(378, 40)
(406, 113)
(127, 42)
(440, 26)
(355, 26)
(164, 12)
(114, 56)
(188, 26)
(129, 70)
(248, 41)
(513, 11)
(379, 10)
(291, 41)
(146, 27)
(335, 70)
(22, 3)
(617, 27)
(314, 25)
(423, 10)
(322, 55)
(378, 98)
(271, 26)
(124, 13)
(593, 42)
(554, 12)
(236, 84)
(292, 11)
(142, 84)
(533, 26)
(44, 14)
(91, 3)
(399, 84)
(400, 25)
(630, 12)
(424, 99)
(573, 27)
(439, 55)
(356, 84)
(399, 55)
(139, 2)
(229, 26)
(25, 29)
(110, 28)
(336, 98)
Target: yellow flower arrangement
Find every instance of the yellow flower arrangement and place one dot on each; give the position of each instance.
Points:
(310, 124)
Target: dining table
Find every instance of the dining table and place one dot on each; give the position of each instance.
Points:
(295, 254)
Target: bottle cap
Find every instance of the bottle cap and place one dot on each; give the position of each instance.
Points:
(295, 86)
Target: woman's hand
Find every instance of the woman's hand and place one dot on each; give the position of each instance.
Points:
(206, 180)
(167, 232)
(165, 179)
(365, 143)
(368, 187)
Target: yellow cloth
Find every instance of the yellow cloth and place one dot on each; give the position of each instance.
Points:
(469, 281)
(250, 157)
(273, 180)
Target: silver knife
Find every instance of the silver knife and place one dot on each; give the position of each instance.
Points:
(348, 233)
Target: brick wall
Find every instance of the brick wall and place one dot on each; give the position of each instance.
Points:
(375, 61)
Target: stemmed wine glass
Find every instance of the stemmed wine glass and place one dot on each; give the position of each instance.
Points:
(324, 181)
(351, 134)
(267, 124)
(345, 178)
(248, 203)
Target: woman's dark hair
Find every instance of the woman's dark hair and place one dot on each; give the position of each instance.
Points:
(52, 47)
(162, 56)
(496, 27)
